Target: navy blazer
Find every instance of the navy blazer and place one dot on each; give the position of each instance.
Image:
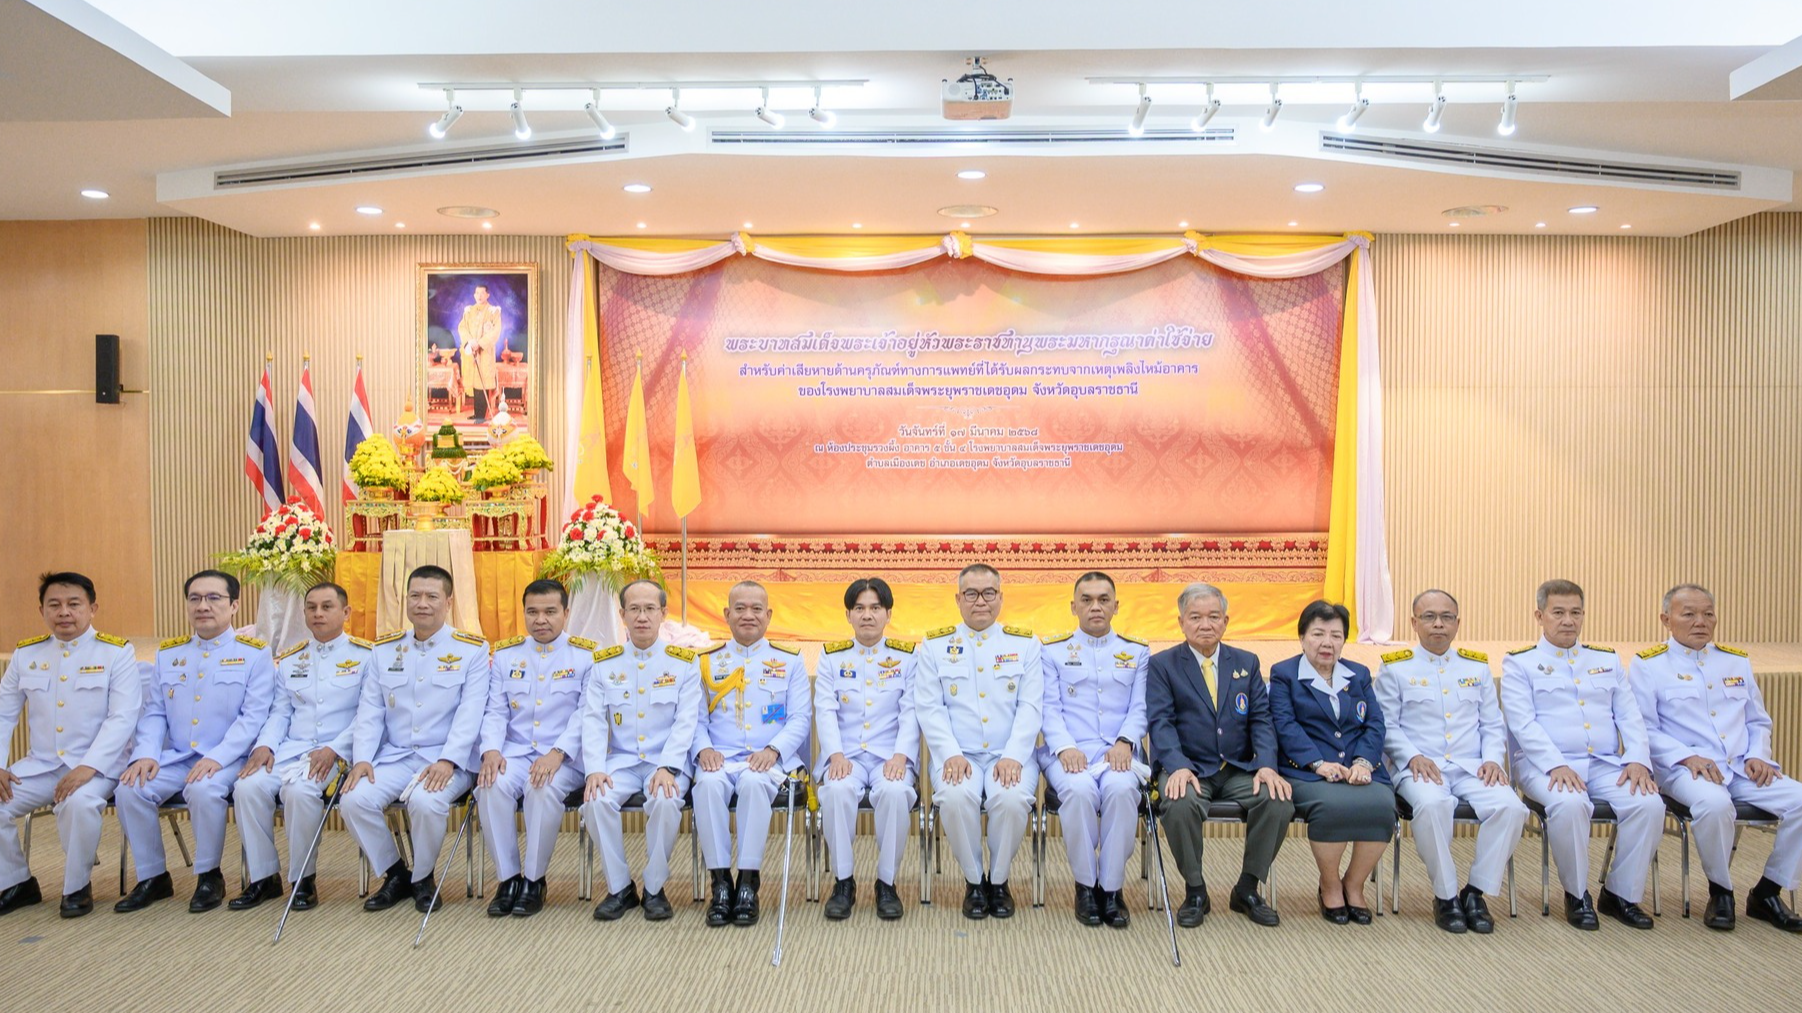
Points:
(1190, 731)
(1307, 731)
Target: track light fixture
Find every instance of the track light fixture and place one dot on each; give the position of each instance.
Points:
(768, 115)
(824, 117)
(1435, 110)
(452, 111)
(521, 129)
(1272, 110)
(1506, 127)
(1207, 114)
(675, 113)
(1360, 105)
(593, 109)
(1138, 125)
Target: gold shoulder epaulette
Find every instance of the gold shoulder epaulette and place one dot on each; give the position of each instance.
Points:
(609, 652)
(837, 646)
(1017, 631)
(1653, 652)
(468, 638)
(1048, 641)
(1130, 640)
(583, 643)
(904, 646)
(710, 648)
(680, 653)
(391, 638)
(1465, 652)
(174, 642)
(1731, 650)
(298, 644)
(1523, 650)
(252, 642)
(1394, 656)
(28, 641)
(943, 631)
(360, 642)
(511, 642)
(1598, 647)
(109, 638)
(785, 648)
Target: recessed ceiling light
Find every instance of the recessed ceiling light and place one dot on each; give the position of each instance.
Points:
(637, 188)
(965, 225)
(747, 225)
(400, 225)
(1182, 225)
(1454, 224)
(967, 211)
(971, 174)
(1474, 210)
(1626, 226)
(641, 225)
(1075, 225)
(468, 211)
(368, 209)
(1294, 224)
(487, 225)
(313, 225)
(1583, 209)
(1309, 187)
(1539, 225)
(92, 194)
(857, 225)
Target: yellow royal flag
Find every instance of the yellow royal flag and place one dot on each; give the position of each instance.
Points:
(638, 446)
(591, 443)
(685, 485)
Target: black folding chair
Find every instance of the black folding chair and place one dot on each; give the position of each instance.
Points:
(402, 830)
(1744, 815)
(1462, 815)
(1604, 813)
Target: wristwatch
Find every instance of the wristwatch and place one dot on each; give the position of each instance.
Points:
(1313, 766)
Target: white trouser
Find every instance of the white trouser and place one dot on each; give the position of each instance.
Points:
(206, 799)
(303, 809)
(1641, 824)
(1502, 814)
(427, 811)
(961, 807)
(1091, 807)
(543, 809)
(77, 823)
(713, 794)
(1711, 824)
(891, 800)
(662, 818)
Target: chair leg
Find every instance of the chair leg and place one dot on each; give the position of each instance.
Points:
(694, 859)
(1683, 842)
(181, 843)
(362, 873)
(1545, 870)
(25, 837)
(469, 851)
(1655, 878)
(1513, 911)
(1395, 873)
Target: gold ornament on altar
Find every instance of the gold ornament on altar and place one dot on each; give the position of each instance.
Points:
(447, 444)
(409, 432)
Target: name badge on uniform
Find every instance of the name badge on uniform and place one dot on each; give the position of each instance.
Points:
(1073, 663)
(91, 669)
(1362, 710)
(775, 714)
(1733, 681)
(1242, 705)
(300, 672)
(663, 680)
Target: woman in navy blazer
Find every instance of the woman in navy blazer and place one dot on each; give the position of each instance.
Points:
(1329, 733)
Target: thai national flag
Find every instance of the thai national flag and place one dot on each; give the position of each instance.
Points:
(303, 447)
(356, 431)
(262, 460)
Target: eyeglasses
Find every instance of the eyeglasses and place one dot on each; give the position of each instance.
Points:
(643, 610)
(986, 594)
(208, 599)
(1434, 618)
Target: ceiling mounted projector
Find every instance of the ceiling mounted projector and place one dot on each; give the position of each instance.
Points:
(978, 95)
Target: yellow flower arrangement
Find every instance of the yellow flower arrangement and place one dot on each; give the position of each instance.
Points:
(438, 485)
(525, 452)
(493, 471)
(376, 464)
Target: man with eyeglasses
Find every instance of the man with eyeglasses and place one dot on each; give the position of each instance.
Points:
(753, 730)
(1444, 744)
(978, 695)
(202, 712)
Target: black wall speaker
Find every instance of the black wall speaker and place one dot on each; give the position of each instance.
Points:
(107, 388)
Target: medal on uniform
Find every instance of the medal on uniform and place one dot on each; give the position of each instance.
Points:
(954, 689)
(1010, 685)
(618, 717)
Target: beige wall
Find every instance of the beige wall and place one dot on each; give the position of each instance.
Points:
(75, 473)
(1622, 412)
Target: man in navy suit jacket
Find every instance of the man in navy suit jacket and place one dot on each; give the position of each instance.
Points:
(1212, 739)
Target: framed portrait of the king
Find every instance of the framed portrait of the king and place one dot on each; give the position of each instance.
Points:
(478, 345)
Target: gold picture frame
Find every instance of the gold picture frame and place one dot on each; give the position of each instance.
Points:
(499, 325)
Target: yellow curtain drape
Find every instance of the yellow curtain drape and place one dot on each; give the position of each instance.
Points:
(1342, 515)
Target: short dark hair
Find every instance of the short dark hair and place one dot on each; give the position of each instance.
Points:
(437, 573)
(1562, 588)
(1094, 575)
(978, 568)
(231, 583)
(326, 585)
(662, 595)
(885, 596)
(546, 587)
(1323, 612)
(67, 577)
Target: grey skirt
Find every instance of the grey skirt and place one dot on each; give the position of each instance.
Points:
(1338, 812)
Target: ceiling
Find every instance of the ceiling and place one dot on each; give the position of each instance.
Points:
(147, 99)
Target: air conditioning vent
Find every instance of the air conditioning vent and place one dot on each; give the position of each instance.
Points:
(511, 153)
(1560, 166)
(952, 135)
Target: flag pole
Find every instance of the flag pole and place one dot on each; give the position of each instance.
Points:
(685, 571)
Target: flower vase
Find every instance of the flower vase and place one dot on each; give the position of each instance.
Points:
(280, 618)
(378, 492)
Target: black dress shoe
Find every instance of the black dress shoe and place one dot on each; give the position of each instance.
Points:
(209, 892)
(1581, 912)
(506, 894)
(976, 901)
(1767, 905)
(1088, 911)
(531, 898)
(744, 900)
(1358, 915)
(1113, 910)
(1195, 907)
(1449, 915)
(656, 907)
(1476, 911)
(1249, 904)
(614, 905)
(844, 894)
(78, 903)
(1720, 914)
(267, 888)
(1001, 901)
(146, 893)
(425, 895)
(306, 893)
(888, 902)
(719, 905)
(20, 895)
(397, 885)
(1624, 911)
(1340, 915)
